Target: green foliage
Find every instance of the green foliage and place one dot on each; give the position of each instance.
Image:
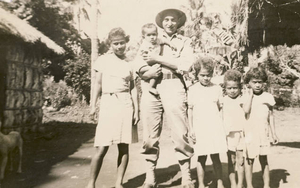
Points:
(283, 66)
(78, 75)
(54, 19)
(58, 93)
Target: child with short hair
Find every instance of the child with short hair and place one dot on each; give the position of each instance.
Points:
(260, 121)
(233, 121)
(151, 44)
(205, 120)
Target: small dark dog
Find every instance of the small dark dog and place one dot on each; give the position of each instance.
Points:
(7, 144)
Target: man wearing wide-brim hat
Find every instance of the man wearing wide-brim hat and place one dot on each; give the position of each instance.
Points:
(172, 97)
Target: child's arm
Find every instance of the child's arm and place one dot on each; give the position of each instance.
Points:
(272, 125)
(134, 95)
(248, 103)
(191, 125)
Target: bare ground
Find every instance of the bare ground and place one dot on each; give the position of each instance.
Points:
(60, 156)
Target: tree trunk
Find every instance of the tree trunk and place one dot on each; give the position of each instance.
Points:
(94, 41)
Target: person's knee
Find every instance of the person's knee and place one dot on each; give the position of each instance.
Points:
(101, 152)
(215, 157)
(123, 149)
(231, 157)
(263, 160)
(202, 158)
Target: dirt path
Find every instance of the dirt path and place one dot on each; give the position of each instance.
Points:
(61, 158)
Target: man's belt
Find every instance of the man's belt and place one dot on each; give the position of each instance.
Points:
(170, 75)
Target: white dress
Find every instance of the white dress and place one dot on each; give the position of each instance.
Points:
(257, 133)
(207, 124)
(116, 107)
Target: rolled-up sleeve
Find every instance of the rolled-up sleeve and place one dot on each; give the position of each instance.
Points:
(186, 58)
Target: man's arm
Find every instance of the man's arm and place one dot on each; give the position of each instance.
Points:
(181, 63)
(147, 72)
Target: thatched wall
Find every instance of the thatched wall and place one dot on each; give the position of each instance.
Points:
(21, 88)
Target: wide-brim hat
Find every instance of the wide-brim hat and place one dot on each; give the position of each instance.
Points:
(161, 15)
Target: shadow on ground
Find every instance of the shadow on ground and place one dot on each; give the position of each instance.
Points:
(277, 177)
(167, 177)
(289, 144)
(42, 151)
(164, 175)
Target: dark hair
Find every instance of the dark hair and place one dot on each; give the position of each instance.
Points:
(256, 73)
(148, 26)
(203, 63)
(118, 31)
(233, 75)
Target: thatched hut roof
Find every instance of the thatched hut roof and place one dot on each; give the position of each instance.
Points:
(11, 24)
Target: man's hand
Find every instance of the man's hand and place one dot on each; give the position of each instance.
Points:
(153, 72)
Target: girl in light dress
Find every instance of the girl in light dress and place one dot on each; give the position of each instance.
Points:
(260, 126)
(234, 121)
(118, 114)
(205, 120)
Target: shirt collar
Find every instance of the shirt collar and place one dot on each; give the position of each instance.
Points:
(175, 35)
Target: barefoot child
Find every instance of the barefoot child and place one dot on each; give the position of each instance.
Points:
(260, 124)
(233, 121)
(151, 44)
(205, 120)
(118, 107)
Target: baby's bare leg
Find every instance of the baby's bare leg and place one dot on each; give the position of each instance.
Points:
(152, 89)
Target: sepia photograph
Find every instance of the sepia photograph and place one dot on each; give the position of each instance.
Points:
(149, 93)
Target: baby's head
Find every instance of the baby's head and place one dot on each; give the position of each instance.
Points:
(256, 79)
(232, 83)
(149, 33)
(204, 68)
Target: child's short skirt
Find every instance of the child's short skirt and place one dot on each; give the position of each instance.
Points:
(115, 120)
(235, 141)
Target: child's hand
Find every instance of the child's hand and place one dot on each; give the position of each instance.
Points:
(92, 113)
(136, 118)
(275, 139)
(247, 91)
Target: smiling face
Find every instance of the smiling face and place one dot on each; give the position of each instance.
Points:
(204, 77)
(170, 24)
(232, 89)
(118, 46)
(257, 85)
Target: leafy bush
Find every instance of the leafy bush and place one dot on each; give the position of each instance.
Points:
(78, 75)
(57, 92)
(283, 66)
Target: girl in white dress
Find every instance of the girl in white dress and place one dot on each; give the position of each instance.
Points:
(205, 120)
(260, 126)
(118, 107)
(234, 121)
